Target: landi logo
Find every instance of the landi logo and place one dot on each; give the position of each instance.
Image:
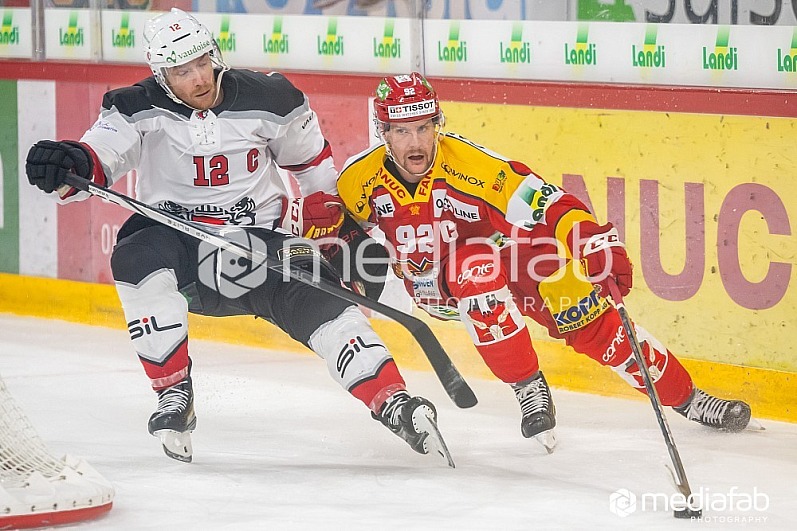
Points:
(723, 57)
(787, 59)
(124, 37)
(454, 51)
(389, 47)
(226, 38)
(518, 50)
(332, 45)
(651, 55)
(584, 52)
(9, 33)
(277, 42)
(73, 36)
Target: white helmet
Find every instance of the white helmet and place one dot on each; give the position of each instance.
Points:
(176, 38)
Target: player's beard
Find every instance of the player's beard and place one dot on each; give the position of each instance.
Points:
(417, 162)
(212, 98)
(419, 168)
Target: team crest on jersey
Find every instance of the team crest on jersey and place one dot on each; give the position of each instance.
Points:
(241, 213)
(411, 267)
(500, 179)
(384, 207)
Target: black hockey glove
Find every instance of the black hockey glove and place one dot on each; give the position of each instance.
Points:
(365, 277)
(48, 163)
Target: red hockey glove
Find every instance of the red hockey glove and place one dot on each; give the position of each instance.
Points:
(603, 256)
(319, 215)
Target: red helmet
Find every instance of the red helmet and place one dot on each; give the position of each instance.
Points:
(405, 98)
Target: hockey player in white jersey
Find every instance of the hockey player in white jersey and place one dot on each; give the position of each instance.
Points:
(206, 141)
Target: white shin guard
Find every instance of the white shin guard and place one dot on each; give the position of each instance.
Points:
(156, 314)
(351, 348)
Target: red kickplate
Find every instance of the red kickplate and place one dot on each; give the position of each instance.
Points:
(53, 518)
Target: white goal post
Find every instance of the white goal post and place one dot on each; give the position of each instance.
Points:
(38, 489)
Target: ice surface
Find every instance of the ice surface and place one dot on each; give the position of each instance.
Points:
(279, 446)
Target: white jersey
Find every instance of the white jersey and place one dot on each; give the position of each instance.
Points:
(216, 166)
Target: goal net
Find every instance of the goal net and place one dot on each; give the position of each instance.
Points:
(36, 488)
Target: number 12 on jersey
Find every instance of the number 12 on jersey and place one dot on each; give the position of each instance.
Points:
(215, 172)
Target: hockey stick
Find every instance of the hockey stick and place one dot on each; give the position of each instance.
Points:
(681, 483)
(456, 387)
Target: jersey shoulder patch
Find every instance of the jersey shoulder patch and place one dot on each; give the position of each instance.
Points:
(256, 91)
(139, 97)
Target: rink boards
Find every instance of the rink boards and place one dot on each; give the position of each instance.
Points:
(772, 394)
(698, 182)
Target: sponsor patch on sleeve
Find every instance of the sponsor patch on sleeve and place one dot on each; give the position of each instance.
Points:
(529, 202)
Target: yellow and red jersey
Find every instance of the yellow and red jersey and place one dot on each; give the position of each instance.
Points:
(469, 192)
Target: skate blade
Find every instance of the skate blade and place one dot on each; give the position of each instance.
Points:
(548, 440)
(176, 445)
(434, 443)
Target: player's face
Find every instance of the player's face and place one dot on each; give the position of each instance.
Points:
(194, 82)
(412, 147)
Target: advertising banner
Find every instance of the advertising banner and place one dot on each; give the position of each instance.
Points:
(753, 12)
(68, 34)
(86, 230)
(123, 35)
(695, 54)
(661, 54)
(279, 42)
(595, 52)
(703, 202)
(9, 220)
(435, 9)
(747, 12)
(15, 33)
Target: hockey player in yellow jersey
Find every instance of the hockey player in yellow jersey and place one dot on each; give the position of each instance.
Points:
(483, 239)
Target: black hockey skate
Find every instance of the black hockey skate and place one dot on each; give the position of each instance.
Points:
(538, 410)
(725, 415)
(174, 420)
(414, 420)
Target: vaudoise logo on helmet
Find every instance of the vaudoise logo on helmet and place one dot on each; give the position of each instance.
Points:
(201, 47)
